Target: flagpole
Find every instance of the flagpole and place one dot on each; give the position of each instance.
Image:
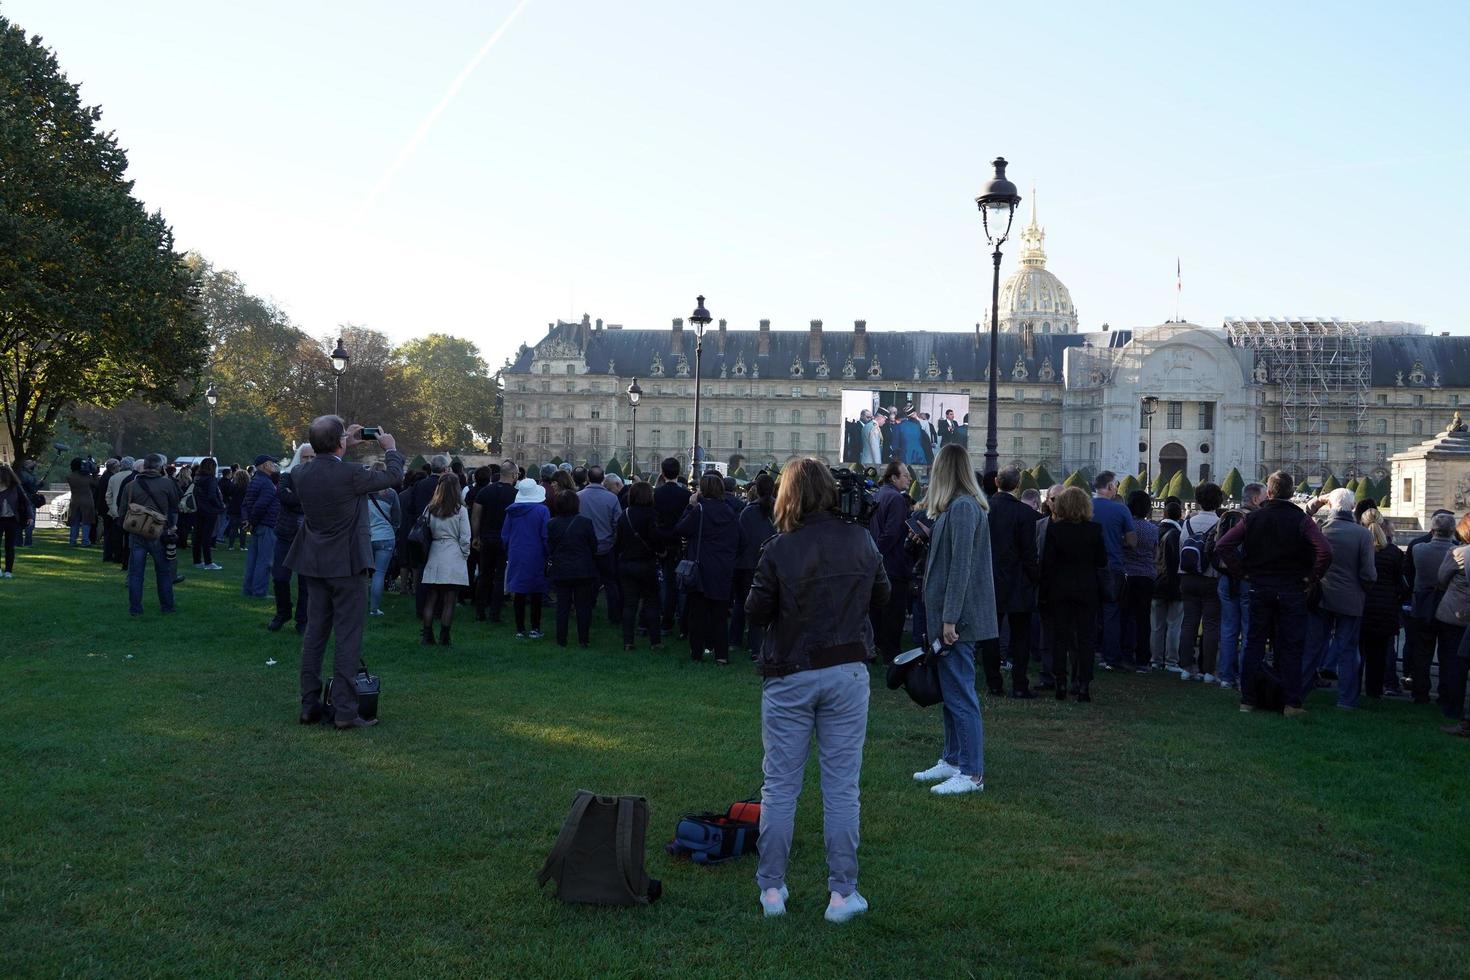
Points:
(1178, 286)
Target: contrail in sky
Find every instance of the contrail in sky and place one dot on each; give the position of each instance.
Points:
(438, 110)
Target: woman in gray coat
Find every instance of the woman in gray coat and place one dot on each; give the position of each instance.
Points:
(959, 596)
(445, 572)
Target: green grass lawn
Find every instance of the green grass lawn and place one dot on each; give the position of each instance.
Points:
(162, 813)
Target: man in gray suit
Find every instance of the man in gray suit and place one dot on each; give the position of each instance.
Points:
(333, 551)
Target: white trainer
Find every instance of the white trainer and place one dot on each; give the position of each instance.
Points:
(840, 909)
(1210, 678)
(958, 783)
(939, 771)
(773, 901)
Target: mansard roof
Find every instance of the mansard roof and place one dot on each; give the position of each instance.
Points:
(898, 354)
(1416, 361)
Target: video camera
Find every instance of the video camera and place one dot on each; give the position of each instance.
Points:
(856, 495)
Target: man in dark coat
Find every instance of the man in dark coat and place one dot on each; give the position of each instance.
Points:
(418, 500)
(889, 528)
(1016, 570)
(670, 499)
(333, 550)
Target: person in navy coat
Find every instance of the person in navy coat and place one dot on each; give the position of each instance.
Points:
(524, 537)
(714, 537)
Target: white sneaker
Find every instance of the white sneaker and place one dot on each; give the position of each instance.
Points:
(773, 901)
(840, 910)
(1210, 678)
(200, 565)
(1185, 675)
(1176, 669)
(212, 567)
(940, 770)
(958, 783)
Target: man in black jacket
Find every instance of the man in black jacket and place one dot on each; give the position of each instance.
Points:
(670, 500)
(889, 528)
(486, 519)
(418, 501)
(1013, 559)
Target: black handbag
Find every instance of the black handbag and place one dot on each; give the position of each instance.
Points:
(919, 676)
(686, 573)
(420, 539)
(367, 686)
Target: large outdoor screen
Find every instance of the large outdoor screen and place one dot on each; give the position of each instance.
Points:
(907, 426)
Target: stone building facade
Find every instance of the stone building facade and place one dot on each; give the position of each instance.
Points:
(1312, 395)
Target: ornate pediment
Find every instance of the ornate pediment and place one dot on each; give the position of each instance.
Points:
(740, 366)
(557, 348)
(822, 369)
(1416, 373)
(796, 369)
(681, 366)
(657, 369)
(1020, 371)
(932, 371)
(849, 370)
(1047, 373)
(875, 369)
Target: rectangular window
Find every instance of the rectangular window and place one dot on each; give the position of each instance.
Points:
(1380, 426)
(1455, 400)
(821, 416)
(546, 386)
(680, 415)
(821, 442)
(795, 442)
(796, 416)
(1045, 446)
(1206, 415)
(596, 414)
(571, 386)
(1016, 445)
(683, 437)
(796, 391)
(1418, 399)
(770, 416)
(1176, 415)
(821, 392)
(1092, 451)
(1383, 399)
(655, 439)
(770, 441)
(1020, 394)
(1408, 497)
(543, 435)
(1381, 449)
(740, 440)
(566, 435)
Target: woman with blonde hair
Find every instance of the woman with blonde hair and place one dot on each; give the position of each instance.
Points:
(1381, 604)
(959, 600)
(445, 572)
(1069, 596)
(813, 586)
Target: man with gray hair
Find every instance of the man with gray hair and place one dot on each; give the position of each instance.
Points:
(333, 551)
(598, 503)
(156, 492)
(1425, 556)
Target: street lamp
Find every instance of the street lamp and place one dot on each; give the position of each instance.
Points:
(339, 366)
(634, 393)
(997, 204)
(1150, 406)
(700, 318)
(211, 395)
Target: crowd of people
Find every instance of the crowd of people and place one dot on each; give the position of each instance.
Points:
(1268, 597)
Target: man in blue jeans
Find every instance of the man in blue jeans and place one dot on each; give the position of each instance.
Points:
(1332, 630)
(1116, 522)
(1235, 593)
(1282, 553)
(259, 511)
(160, 494)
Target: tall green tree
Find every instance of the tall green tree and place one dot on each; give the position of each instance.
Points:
(95, 303)
(455, 393)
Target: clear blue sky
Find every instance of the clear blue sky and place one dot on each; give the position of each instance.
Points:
(791, 160)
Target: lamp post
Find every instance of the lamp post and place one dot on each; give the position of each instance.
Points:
(700, 318)
(634, 394)
(211, 395)
(1150, 406)
(997, 204)
(339, 367)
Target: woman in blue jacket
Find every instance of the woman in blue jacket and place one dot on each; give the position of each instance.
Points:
(714, 538)
(524, 537)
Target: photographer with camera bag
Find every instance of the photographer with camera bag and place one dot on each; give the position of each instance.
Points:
(816, 580)
(333, 551)
(149, 507)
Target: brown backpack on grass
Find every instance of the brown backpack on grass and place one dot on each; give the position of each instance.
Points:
(598, 856)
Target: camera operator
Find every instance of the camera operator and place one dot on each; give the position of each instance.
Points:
(813, 587)
(333, 551)
(157, 492)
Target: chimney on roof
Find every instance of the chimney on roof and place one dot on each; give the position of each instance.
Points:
(678, 345)
(859, 338)
(814, 342)
(763, 343)
(599, 324)
(720, 342)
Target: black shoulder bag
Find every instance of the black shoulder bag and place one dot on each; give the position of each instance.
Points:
(686, 573)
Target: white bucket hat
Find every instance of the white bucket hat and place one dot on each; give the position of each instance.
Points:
(528, 491)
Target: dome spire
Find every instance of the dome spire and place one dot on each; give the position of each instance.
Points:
(1032, 239)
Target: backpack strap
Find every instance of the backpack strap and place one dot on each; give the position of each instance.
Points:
(552, 867)
(625, 847)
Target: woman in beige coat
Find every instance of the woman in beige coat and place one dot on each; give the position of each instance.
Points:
(445, 572)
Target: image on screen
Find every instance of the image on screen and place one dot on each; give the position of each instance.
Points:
(879, 427)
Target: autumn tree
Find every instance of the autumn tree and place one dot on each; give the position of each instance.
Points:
(454, 393)
(95, 304)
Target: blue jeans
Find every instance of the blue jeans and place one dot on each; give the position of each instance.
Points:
(1112, 634)
(1332, 644)
(86, 530)
(141, 548)
(1278, 614)
(964, 731)
(257, 583)
(1235, 626)
(382, 555)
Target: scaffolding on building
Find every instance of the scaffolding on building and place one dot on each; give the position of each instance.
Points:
(1323, 369)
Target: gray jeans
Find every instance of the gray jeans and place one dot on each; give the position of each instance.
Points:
(833, 703)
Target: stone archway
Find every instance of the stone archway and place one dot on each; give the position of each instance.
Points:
(1173, 458)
